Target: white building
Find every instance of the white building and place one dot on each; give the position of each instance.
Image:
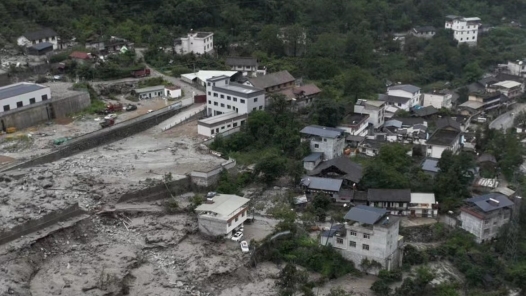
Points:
(406, 91)
(369, 233)
(355, 124)
(465, 29)
(222, 215)
(220, 124)
(509, 88)
(172, 91)
(224, 96)
(517, 68)
(149, 92)
(196, 42)
(330, 141)
(438, 99)
(424, 32)
(200, 77)
(22, 94)
(247, 65)
(375, 110)
(484, 215)
(33, 38)
(423, 205)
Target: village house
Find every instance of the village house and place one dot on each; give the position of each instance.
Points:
(423, 205)
(80, 57)
(355, 124)
(106, 45)
(301, 96)
(448, 136)
(195, 42)
(425, 112)
(330, 141)
(272, 82)
(424, 32)
(172, 91)
(339, 168)
(329, 186)
(40, 49)
(483, 102)
(221, 124)
(396, 201)
(483, 216)
(23, 94)
(200, 77)
(312, 160)
(438, 99)
(247, 65)
(368, 233)
(222, 214)
(517, 68)
(399, 103)
(405, 91)
(375, 110)
(430, 166)
(30, 39)
(149, 92)
(465, 29)
(510, 89)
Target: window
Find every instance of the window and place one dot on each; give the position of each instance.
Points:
(352, 244)
(352, 232)
(242, 122)
(243, 214)
(339, 240)
(400, 204)
(215, 95)
(209, 102)
(486, 221)
(229, 223)
(223, 129)
(222, 105)
(208, 83)
(222, 96)
(242, 101)
(324, 140)
(235, 99)
(6, 108)
(260, 107)
(316, 146)
(44, 97)
(237, 218)
(365, 247)
(32, 101)
(365, 235)
(235, 124)
(228, 106)
(254, 109)
(215, 103)
(255, 100)
(461, 39)
(228, 98)
(211, 132)
(228, 126)
(19, 104)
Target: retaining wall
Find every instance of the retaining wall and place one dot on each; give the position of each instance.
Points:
(70, 105)
(103, 136)
(38, 224)
(159, 191)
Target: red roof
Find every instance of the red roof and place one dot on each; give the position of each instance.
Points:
(80, 55)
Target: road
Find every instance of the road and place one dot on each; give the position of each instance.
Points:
(505, 121)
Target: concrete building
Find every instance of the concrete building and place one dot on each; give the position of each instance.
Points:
(483, 101)
(221, 124)
(375, 110)
(355, 124)
(484, 215)
(149, 92)
(423, 205)
(200, 77)
(301, 96)
(225, 96)
(222, 215)
(247, 65)
(329, 141)
(395, 201)
(438, 99)
(448, 136)
(368, 233)
(424, 32)
(273, 82)
(35, 37)
(172, 91)
(511, 89)
(517, 68)
(312, 160)
(22, 94)
(395, 103)
(465, 29)
(406, 91)
(196, 42)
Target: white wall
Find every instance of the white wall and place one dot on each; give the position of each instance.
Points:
(218, 101)
(435, 151)
(220, 128)
(23, 41)
(25, 98)
(172, 93)
(360, 131)
(437, 100)
(376, 115)
(191, 43)
(415, 98)
(151, 94)
(463, 32)
(331, 147)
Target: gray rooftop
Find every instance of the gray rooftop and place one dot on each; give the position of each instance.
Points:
(223, 204)
(430, 165)
(313, 156)
(484, 203)
(365, 214)
(42, 45)
(272, 79)
(322, 183)
(405, 87)
(149, 89)
(393, 99)
(40, 34)
(322, 131)
(393, 122)
(389, 195)
(237, 88)
(241, 61)
(18, 89)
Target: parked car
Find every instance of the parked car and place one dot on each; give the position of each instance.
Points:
(111, 116)
(237, 236)
(131, 107)
(244, 247)
(150, 111)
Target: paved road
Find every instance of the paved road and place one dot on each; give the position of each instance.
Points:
(505, 121)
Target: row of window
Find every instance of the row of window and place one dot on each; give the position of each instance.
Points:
(458, 33)
(21, 104)
(467, 39)
(236, 219)
(352, 244)
(229, 98)
(354, 233)
(45, 40)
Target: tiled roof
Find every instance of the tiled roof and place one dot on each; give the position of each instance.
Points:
(322, 131)
(389, 195)
(351, 170)
(272, 79)
(40, 34)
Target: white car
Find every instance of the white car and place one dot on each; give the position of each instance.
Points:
(150, 111)
(244, 247)
(237, 236)
(111, 116)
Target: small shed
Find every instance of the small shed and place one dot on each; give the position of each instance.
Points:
(40, 49)
(149, 92)
(172, 91)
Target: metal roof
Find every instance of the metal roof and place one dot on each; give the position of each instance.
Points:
(241, 61)
(272, 79)
(423, 198)
(322, 183)
(430, 165)
(42, 45)
(365, 214)
(223, 204)
(40, 34)
(149, 89)
(508, 84)
(14, 90)
(389, 195)
(491, 201)
(393, 99)
(405, 87)
(393, 122)
(343, 166)
(313, 156)
(322, 131)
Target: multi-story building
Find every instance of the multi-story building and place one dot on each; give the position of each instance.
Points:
(36, 37)
(273, 82)
(511, 89)
(424, 32)
(406, 91)
(375, 110)
(247, 65)
(448, 136)
(484, 215)
(222, 214)
(423, 205)
(517, 68)
(225, 96)
(355, 124)
(368, 233)
(22, 94)
(465, 29)
(330, 141)
(196, 42)
(395, 201)
(438, 99)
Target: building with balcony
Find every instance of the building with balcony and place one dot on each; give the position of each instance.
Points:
(222, 214)
(330, 141)
(511, 89)
(408, 91)
(195, 42)
(368, 233)
(224, 96)
(375, 110)
(484, 215)
(465, 29)
(423, 205)
(355, 124)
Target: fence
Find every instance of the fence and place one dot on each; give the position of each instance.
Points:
(188, 118)
(41, 223)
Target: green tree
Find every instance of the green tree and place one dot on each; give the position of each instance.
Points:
(472, 72)
(271, 166)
